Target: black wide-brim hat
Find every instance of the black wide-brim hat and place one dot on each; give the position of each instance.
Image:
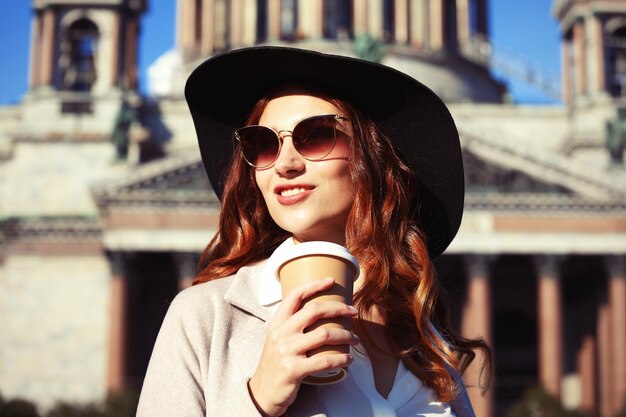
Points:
(223, 89)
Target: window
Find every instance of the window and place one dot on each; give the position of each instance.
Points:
(78, 56)
(616, 62)
(338, 19)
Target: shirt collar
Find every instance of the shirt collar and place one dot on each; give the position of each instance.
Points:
(269, 286)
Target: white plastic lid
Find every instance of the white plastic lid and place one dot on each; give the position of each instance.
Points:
(317, 248)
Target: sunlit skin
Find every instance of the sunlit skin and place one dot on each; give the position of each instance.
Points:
(320, 193)
(311, 200)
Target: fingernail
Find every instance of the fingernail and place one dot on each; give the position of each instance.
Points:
(353, 309)
(350, 358)
(329, 279)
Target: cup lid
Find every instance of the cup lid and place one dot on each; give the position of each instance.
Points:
(317, 248)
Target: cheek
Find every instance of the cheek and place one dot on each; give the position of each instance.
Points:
(341, 149)
(261, 182)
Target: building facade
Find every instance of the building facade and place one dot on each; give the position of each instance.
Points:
(105, 207)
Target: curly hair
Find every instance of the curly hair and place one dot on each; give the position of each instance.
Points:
(381, 233)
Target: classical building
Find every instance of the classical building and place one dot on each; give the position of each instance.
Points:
(105, 207)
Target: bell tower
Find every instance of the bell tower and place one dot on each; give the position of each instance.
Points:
(83, 64)
(593, 49)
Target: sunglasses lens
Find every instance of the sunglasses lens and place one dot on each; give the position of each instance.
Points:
(259, 145)
(314, 138)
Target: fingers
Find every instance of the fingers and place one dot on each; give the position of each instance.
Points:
(321, 336)
(313, 311)
(292, 301)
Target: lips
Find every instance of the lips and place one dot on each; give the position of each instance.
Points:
(292, 194)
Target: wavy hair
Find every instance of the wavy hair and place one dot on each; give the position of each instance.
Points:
(380, 232)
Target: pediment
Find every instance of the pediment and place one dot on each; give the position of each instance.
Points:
(174, 180)
(505, 166)
(484, 176)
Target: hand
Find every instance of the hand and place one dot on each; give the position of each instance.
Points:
(284, 363)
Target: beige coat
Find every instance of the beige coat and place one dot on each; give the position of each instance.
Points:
(208, 348)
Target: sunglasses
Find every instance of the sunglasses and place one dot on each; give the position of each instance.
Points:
(314, 138)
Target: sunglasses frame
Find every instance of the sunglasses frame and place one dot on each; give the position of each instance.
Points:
(279, 137)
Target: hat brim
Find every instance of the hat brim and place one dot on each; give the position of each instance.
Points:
(223, 89)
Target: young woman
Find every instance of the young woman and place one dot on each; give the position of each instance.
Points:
(302, 146)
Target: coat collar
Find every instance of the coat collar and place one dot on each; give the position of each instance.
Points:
(244, 290)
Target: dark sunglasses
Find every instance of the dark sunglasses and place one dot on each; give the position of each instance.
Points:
(314, 138)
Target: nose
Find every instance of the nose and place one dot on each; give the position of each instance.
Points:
(289, 162)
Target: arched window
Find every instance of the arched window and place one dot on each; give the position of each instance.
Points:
(338, 19)
(615, 42)
(78, 56)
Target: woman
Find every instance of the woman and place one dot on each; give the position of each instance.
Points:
(384, 179)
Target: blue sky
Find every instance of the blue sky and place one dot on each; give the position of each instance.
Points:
(525, 30)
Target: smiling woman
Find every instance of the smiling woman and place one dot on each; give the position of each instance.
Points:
(316, 159)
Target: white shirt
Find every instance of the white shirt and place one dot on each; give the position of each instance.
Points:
(356, 395)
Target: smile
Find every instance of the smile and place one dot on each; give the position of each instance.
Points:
(293, 194)
(292, 191)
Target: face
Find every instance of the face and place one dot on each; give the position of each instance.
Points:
(310, 199)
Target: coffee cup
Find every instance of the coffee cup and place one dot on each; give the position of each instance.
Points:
(314, 260)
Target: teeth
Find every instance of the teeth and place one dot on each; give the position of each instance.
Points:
(292, 191)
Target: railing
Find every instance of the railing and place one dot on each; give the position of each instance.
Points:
(482, 51)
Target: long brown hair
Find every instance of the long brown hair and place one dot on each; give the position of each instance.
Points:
(380, 232)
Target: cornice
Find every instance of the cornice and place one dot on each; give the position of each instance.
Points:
(540, 202)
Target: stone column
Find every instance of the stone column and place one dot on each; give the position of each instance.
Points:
(273, 19)
(587, 373)
(436, 25)
(593, 44)
(586, 356)
(236, 24)
(35, 50)
(359, 15)
(604, 359)
(418, 13)
(208, 27)
(566, 83)
(220, 19)
(617, 312)
(184, 26)
(375, 18)
(116, 29)
(599, 47)
(249, 22)
(310, 18)
(401, 16)
(580, 57)
(116, 368)
(47, 47)
(463, 22)
(477, 323)
(130, 61)
(550, 324)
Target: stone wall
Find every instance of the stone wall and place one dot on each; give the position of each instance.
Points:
(54, 321)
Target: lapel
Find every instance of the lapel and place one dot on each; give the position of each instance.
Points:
(243, 294)
(244, 290)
